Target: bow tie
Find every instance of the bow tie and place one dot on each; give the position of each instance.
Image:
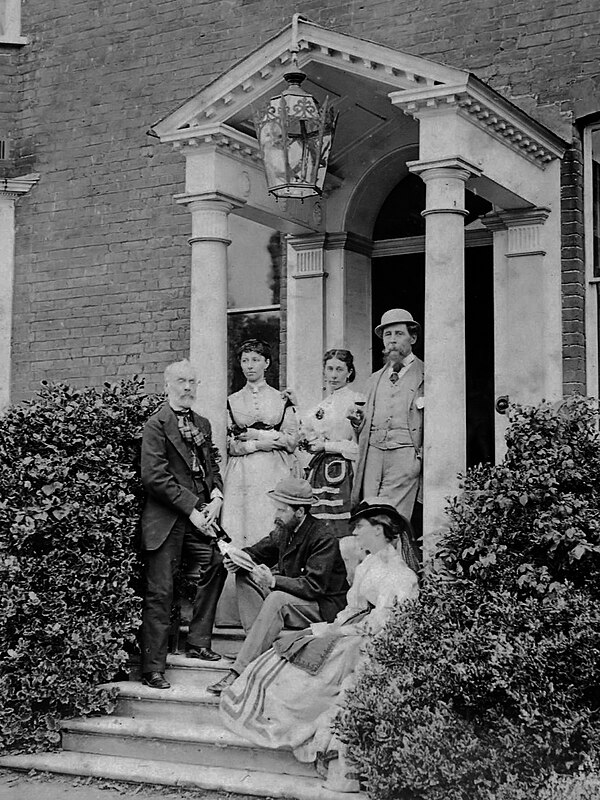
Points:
(184, 412)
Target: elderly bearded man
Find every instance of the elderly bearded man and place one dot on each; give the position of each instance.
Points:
(183, 497)
(308, 582)
(391, 429)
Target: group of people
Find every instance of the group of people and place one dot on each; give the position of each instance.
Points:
(317, 506)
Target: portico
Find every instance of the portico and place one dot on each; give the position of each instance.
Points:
(398, 115)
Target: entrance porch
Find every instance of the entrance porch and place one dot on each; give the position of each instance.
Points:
(399, 116)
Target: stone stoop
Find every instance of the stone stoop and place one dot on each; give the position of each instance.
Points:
(175, 737)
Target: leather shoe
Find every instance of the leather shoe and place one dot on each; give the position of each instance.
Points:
(155, 680)
(226, 680)
(203, 653)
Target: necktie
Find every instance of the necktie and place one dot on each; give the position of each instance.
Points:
(394, 373)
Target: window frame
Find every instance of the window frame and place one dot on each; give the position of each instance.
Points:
(592, 296)
(11, 18)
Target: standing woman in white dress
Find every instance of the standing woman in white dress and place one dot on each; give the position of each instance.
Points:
(333, 443)
(263, 432)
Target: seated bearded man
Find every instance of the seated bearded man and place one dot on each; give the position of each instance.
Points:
(297, 576)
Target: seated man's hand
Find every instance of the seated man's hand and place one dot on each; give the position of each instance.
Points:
(229, 565)
(198, 519)
(211, 511)
(263, 577)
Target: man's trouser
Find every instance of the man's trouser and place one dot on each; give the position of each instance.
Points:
(265, 614)
(393, 475)
(204, 566)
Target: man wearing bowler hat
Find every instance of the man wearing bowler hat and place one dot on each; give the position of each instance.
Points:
(298, 577)
(391, 426)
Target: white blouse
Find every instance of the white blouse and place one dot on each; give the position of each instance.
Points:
(262, 403)
(380, 580)
(328, 421)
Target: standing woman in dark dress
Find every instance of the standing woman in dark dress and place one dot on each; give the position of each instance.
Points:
(332, 441)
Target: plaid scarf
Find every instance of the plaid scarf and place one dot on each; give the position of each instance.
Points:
(193, 436)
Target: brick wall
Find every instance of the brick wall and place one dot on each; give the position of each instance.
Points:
(8, 102)
(573, 271)
(102, 280)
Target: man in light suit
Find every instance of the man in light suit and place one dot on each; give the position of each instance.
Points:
(183, 497)
(391, 427)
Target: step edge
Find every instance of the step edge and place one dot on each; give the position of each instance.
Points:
(237, 779)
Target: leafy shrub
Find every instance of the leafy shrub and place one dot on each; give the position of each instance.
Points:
(69, 513)
(488, 685)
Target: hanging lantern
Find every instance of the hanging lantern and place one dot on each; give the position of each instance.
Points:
(295, 136)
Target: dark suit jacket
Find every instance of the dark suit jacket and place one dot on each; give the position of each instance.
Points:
(167, 474)
(309, 565)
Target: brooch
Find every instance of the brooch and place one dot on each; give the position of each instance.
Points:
(320, 413)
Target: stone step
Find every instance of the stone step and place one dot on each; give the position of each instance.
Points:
(134, 770)
(203, 744)
(189, 704)
(182, 670)
(225, 641)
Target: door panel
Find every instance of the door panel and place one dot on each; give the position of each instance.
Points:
(399, 282)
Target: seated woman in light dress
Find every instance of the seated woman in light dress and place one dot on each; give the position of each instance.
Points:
(263, 432)
(289, 696)
(333, 441)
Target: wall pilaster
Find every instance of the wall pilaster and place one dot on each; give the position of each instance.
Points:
(10, 190)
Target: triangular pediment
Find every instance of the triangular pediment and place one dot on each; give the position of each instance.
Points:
(359, 77)
(336, 65)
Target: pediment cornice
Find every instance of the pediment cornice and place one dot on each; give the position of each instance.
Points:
(488, 111)
(220, 113)
(257, 75)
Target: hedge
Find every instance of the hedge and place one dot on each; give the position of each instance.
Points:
(486, 688)
(69, 514)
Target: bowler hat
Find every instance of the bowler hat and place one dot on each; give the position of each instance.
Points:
(395, 316)
(372, 506)
(293, 491)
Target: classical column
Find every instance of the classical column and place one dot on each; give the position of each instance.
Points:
(10, 190)
(306, 316)
(444, 449)
(208, 304)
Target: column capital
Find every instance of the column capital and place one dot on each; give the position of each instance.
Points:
(217, 200)
(523, 226)
(210, 214)
(445, 179)
(310, 261)
(452, 167)
(515, 217)
(306, 241)
(15, 187)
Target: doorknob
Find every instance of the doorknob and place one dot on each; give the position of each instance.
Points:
(502, 404)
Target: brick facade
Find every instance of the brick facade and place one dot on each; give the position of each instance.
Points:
(102, 271)
(573, 271)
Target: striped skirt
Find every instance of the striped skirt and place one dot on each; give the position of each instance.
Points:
(331, 477)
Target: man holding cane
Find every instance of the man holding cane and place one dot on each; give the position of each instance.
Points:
(183, 499)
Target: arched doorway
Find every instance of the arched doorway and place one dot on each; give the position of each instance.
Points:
(398, 280)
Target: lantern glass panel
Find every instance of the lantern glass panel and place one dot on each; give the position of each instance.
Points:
(295, 137)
